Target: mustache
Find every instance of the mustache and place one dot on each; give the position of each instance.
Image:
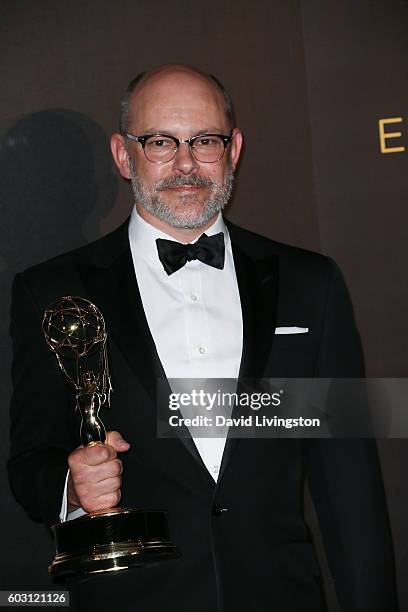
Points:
(183, 181)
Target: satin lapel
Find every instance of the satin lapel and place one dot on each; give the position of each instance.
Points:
(258, 290)
(114, 290)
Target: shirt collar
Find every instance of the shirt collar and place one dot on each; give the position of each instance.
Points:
(143, 235)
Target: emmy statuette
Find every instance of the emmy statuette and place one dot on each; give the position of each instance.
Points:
(115, 538)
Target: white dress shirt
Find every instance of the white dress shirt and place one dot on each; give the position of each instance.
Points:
(194, 316)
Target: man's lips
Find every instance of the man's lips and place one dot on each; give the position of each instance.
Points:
(185, 188)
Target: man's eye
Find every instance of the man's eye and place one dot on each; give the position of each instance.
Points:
(160, 143)
(206, 142)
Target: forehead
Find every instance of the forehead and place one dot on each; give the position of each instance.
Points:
(177, 101)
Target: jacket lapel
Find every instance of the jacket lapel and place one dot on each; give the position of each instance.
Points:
(258, 290)
(258, 287)
(113, 287)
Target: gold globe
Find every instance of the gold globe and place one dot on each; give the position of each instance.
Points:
(73, 326)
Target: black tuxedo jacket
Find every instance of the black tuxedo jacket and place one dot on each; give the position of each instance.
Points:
(257, 556)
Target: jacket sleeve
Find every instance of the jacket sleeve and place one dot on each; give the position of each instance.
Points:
(43, 426)
(345, 480)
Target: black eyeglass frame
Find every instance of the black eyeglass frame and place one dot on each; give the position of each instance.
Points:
(178, 141)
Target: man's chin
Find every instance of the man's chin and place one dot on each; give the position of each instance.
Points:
(188, 217)
(190, 221)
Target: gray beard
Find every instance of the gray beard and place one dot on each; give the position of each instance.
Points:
(151, 200)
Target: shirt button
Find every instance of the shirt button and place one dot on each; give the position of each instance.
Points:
(194, 297)
(201, 350)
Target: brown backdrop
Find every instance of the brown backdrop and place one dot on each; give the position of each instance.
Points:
(310, 82)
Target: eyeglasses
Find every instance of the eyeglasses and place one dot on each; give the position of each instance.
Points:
(162, 148)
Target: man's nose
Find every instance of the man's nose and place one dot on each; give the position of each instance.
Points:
(184, 161)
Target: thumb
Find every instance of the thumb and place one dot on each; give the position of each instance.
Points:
(114, 439)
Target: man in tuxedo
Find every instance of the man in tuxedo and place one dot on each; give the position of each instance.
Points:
(186, 294)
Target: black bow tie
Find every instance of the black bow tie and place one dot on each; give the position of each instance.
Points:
(208, 249)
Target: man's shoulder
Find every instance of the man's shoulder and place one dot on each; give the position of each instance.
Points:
(99, 252)
(260, 247)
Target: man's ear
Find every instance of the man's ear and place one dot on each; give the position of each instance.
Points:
(120, 154)
(236, 145)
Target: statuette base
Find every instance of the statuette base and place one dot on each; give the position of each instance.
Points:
(113, 540)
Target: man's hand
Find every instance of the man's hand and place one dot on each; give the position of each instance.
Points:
(95, 474)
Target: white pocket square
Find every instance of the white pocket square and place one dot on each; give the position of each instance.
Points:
(291, 330)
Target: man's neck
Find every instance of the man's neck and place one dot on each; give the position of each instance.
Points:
(180, 234)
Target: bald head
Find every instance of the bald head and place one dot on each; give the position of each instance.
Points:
(165, 79)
